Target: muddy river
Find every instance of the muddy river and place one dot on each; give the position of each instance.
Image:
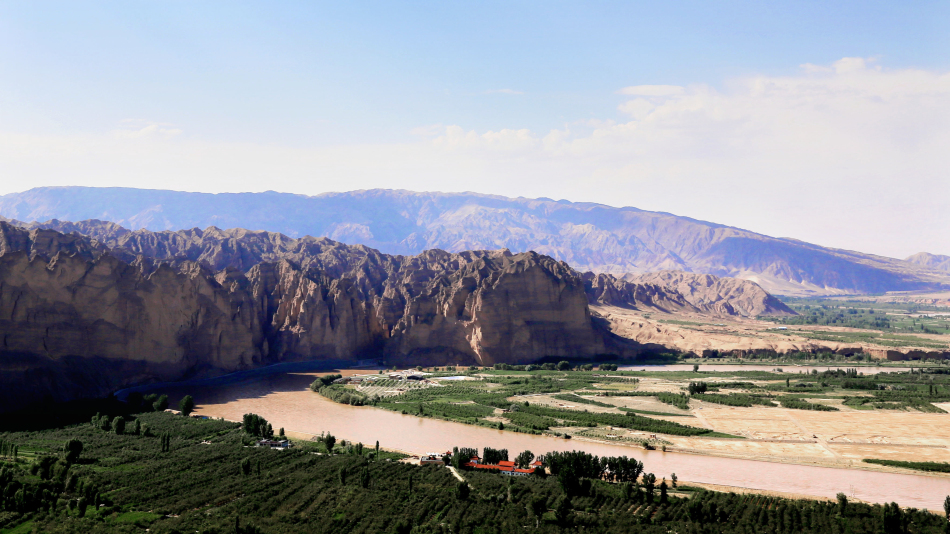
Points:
(731, 368)
(285, 400)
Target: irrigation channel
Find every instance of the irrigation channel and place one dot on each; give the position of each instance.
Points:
(283, 398)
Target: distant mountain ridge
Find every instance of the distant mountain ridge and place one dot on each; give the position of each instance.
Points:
(588, 236)
(931, 261)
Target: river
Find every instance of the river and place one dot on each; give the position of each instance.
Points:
(284, 399)
(787, 368)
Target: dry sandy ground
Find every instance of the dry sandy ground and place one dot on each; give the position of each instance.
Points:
(728, 333)
(827, 438)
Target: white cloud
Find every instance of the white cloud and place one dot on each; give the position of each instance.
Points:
(850, 154)
(652, 90)
(133, 131)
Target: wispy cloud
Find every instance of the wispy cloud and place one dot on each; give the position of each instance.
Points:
(503, 92)
(135, 128)
(652, 90)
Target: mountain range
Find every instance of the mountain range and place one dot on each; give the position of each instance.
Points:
(588, 236)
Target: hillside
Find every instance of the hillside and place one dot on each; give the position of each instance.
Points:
(931, 261)
(588, 236)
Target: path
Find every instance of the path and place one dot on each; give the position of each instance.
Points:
(456, 473)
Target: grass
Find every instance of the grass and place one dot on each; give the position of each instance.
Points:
(142, 519)
(23, 528)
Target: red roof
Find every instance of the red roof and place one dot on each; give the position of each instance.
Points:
(536, 463)
(506, 463)
(519, 470)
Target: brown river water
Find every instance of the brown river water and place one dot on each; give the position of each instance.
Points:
(285, 400)
(786, 368)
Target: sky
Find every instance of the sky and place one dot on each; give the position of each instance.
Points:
(827, 122)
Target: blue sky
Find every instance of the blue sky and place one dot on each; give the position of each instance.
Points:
(308, 93)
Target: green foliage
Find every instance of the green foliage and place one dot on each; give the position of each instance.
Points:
(697, 387)
(736, 399)
(71, 450)
(676, 399)
(935, 467)
(323, 381)
(257, 426)
(197, 487)
(186, 405)
(118, 425)
(570, 397)
(343, 395)
(798, 404)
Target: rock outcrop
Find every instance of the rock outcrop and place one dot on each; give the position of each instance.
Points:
(102, 307)
(78, 318)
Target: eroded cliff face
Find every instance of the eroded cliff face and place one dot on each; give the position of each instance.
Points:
(80, 319)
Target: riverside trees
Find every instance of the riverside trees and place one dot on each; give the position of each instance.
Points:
(297, 491)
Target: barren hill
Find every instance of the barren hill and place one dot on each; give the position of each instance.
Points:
(931, 261)
(588, 236)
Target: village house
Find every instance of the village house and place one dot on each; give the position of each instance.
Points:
(504, 467)
(274, 444)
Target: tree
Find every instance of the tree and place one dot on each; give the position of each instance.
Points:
(256, 425)
(663, 495)
(562, 508)
(71, 450)
(673, 479)
(462, 491)
(842, 503)
(281, 432)
(536, 507)
(118, 425)
(946, 510)
(649, 484)
(329, 441)
(364, 477)
(136, 427)
(563, 365)
(161, 404)
(523, 460)
(695, 368)
(186, 405)
(341, 474)
(377, 450)
(246, 466)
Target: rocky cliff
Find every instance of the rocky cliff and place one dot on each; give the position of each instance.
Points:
(588, 236)
(102, 307)
(79, 318)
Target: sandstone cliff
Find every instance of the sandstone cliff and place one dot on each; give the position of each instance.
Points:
(78, 318)
(102, 306)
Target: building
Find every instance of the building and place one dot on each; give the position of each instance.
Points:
(274, 444)
(504, 467)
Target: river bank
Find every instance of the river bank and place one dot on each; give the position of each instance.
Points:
(286, 401)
